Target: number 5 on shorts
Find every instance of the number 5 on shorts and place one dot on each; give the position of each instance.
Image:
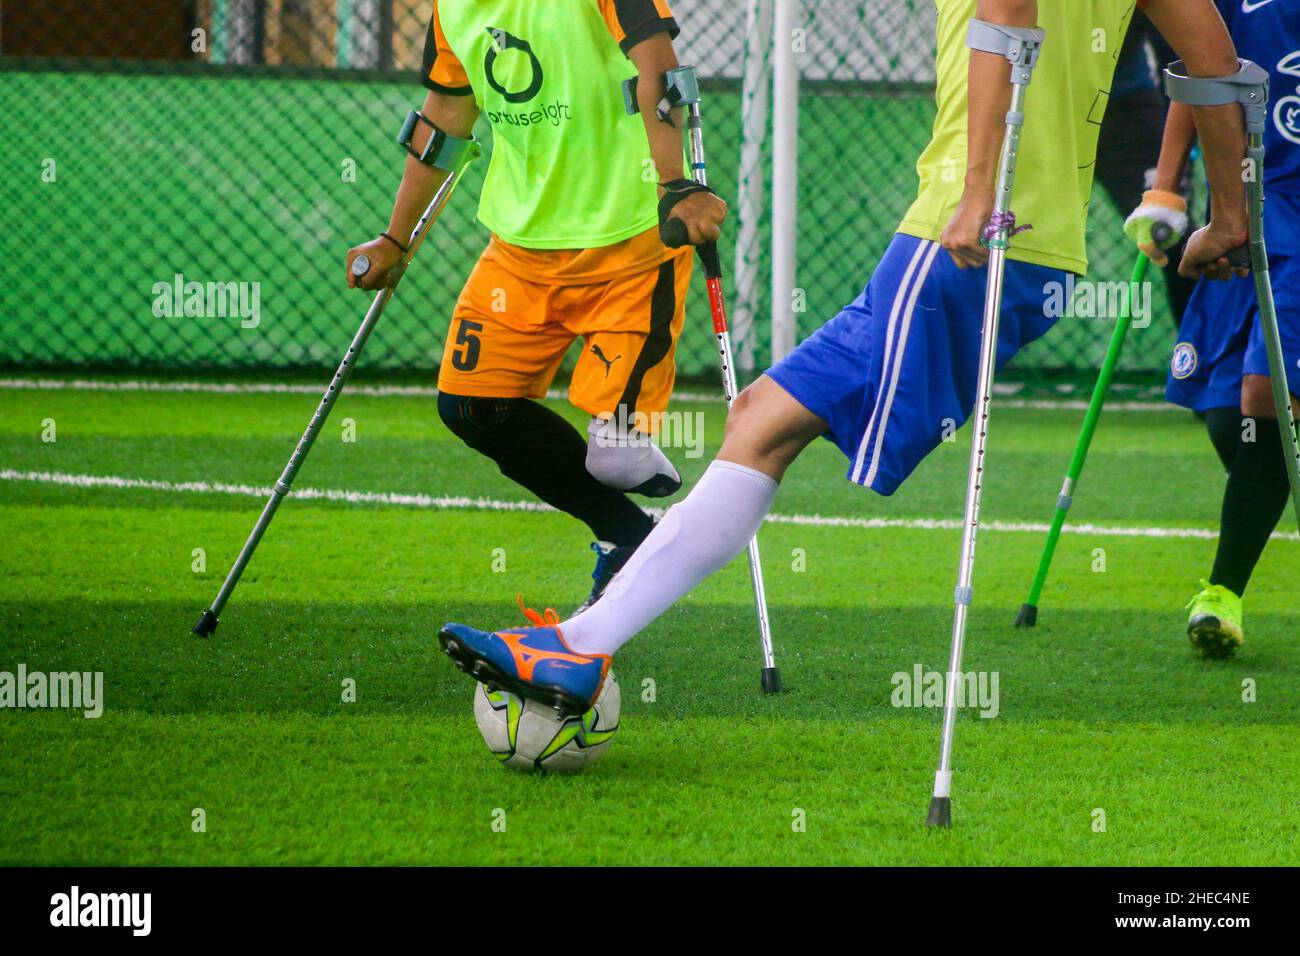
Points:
(466, 359)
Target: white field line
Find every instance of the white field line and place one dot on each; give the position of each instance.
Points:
(261, 388)
(462, 503)
(427, 391)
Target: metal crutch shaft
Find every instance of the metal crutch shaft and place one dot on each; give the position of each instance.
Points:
(771, 675)
(207, 623)
(683, 90)
(1020, 46)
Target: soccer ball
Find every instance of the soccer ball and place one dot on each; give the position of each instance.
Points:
(528, 736)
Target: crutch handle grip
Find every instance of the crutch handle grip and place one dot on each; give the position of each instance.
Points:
(1238, 258)
(673, 234)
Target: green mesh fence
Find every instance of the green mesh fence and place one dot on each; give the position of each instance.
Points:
(244, 145)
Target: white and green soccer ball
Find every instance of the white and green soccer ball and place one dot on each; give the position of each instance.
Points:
(529, 736)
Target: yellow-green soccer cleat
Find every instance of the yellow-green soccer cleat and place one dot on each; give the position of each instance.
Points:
(1214, 622)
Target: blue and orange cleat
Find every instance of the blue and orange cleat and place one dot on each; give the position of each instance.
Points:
(533, 662)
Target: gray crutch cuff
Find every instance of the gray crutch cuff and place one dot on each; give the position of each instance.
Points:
(1018, 45)
(681, 88)
(442, 151)
(1248, 87)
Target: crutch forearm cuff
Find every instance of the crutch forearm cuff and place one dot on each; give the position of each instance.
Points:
(1248, 87)
(442, 151)
(681, 87)
(1019, 45)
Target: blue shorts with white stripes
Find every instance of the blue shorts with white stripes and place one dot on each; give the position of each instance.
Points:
(898, 367)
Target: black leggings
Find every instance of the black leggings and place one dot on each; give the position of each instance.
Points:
(1256, 494)
(538, 449)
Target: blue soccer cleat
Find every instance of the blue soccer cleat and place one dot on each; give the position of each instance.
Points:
(533, 662)
(609, 561)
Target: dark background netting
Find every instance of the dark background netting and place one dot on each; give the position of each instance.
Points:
(217, 139)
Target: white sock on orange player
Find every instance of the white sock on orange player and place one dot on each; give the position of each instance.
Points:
(629, 460)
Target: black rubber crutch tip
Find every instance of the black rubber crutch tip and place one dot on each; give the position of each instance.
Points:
(772, 680)
(940, 814)
(1028, 615)
(207, 624)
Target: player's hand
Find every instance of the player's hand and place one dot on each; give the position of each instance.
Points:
(703, 214)
(1207, 250)
(961, 237)
(1157, 224)
(383, 256)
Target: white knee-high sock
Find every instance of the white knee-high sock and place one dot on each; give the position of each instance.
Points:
(697, 536)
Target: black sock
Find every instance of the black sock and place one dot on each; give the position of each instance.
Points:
(1224, 426)
(538, 449)
(1253, 502)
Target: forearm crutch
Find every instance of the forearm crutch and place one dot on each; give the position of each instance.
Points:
(682, 89)
(442, 152)
(1020, 46)
(1028, 615)
(1248, 87)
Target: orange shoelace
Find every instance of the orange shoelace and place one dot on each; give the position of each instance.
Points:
(549, 619)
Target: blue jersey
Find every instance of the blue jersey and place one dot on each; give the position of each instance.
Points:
(1220, 338)
(1268, 32)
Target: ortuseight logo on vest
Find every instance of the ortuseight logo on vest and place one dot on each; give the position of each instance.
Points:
(515, 73)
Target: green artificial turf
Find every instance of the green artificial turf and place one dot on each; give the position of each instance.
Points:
(1102, 707)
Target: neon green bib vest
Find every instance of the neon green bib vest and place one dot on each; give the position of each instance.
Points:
(569, 169)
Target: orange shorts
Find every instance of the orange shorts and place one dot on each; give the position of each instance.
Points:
(522, 308)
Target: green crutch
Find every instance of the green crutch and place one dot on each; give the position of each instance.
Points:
(1028, 615)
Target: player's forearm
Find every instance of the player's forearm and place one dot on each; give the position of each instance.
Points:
(989, 96)
(454, 116)
(1223, 142)
(416, 191)
(653, 58)
(1175, 147)
(1197, 33)
(665, 143)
